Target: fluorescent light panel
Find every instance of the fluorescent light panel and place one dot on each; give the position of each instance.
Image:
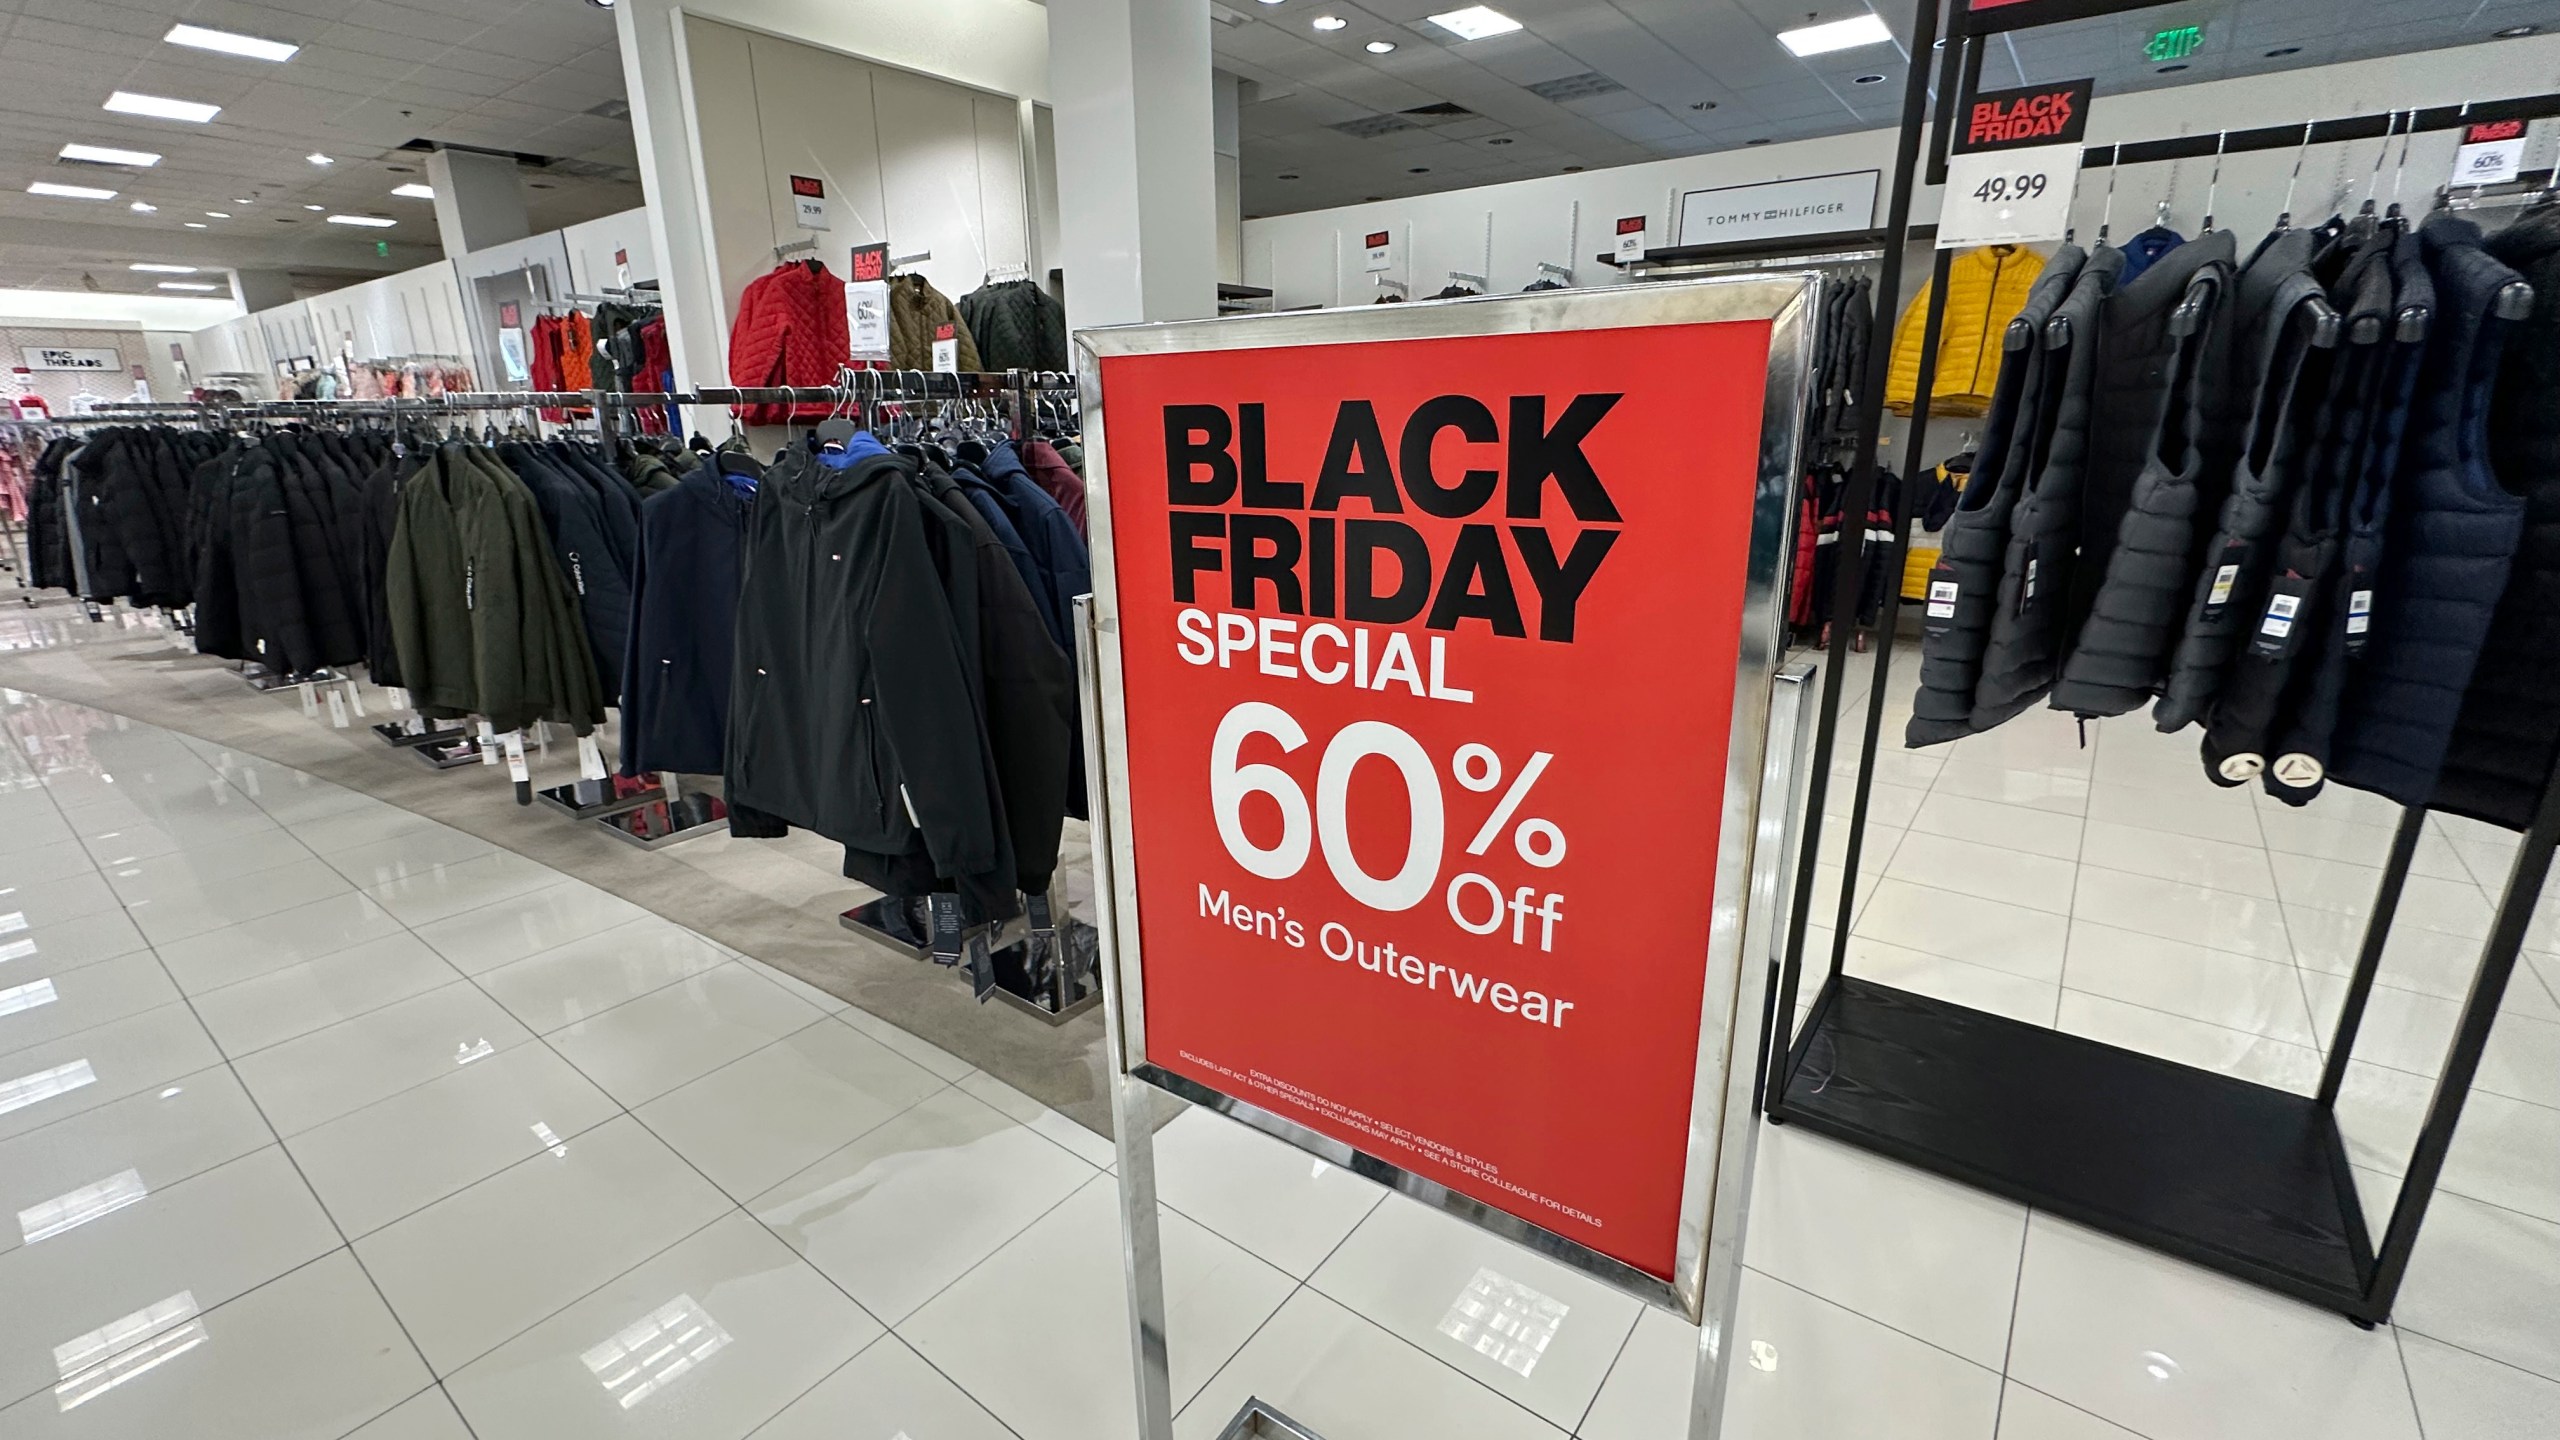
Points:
(1849, 34)
(108, 155)
(1476, 22)
(416, 191)
(187, 285)
(70, 192)
(251, 46)
(376, 221)
(160, 107)
(149, 268)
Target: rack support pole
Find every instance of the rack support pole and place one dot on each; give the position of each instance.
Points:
(2377, 938)
(1862, 489)
(2462, 1060)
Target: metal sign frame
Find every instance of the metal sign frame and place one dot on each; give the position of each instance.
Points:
(1746, 932)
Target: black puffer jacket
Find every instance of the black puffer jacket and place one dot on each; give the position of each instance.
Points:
(2281, 375)
(1965, 584)
(582, 537)
(2508, 737)
(2027, 627)
(2453, 534)
(48, 527)
(2176, 339)
(1018, 326)
(278, 570)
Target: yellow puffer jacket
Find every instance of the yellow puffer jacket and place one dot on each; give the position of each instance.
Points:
(1986, 289)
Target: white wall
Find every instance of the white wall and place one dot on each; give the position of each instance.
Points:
(924, 166)
(593, 244)
(1000, 47)
(416, 312)
(1316, 257)
(113, 310)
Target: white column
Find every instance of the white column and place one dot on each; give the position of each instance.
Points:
(479, 200)
(258, 290)
(1137, 184)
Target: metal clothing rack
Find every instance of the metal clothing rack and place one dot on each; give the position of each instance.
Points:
(2243, 1178)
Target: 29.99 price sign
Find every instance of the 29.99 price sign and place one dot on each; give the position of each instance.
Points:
(1428, 650)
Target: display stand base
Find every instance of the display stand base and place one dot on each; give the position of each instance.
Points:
(262, 679)
(2230, 1175)
(1257, 1421)
(448, 754)
(398, 738)
(659, 823)
(595, 799)
(872, 922)
(1042, 1012)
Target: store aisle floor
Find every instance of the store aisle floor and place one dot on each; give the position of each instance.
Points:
(319, 1118)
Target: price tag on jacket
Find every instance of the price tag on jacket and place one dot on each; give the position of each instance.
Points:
(866, 302)
(590, 759)
(337, 710)
(516, 768)
(488, 744)
(355, 698)
(310, 699)
(2015, 166)
(946, 349)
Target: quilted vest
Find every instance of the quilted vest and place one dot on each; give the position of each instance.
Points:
(2179, 319)
(2281, 373)
(2025, 642)
(2508, 736)
(1962, 588)
(2271, 674)
(2453, 535)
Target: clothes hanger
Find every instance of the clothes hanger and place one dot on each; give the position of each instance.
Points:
(2213, 187)
(2107, 215)
(2393, 217)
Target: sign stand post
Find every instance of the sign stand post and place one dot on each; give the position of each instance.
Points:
(1520, 790)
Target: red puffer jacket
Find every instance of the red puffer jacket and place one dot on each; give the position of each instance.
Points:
(790, 330)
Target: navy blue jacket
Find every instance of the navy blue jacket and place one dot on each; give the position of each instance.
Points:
(684, 620)
(1065, 570)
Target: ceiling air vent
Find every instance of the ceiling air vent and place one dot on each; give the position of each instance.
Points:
(611, 110)
(1575, 87)
(1439, 110)
(1370, 127)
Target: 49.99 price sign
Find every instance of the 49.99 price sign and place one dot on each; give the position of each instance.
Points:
(1428, 652)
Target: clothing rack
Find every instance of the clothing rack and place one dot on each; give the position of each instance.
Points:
(794, 247)
(2246, 1179)
(901, 262)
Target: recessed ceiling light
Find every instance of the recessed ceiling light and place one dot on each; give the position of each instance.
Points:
(1419, 170)
(70, 192)
(1380, 47)
(242, 200)
(315, 208)
(1849, 34)
(1328, 22)
(143, 207)
(2515, 32)
(1868, 80)
(1499, 140)
(196, 285)
(415, 191)
(1292, 175)
(1702, 104)
(196, 225)
(160, 107)
(2282, 51)
(217, 214)
(108, 155)
(1761, 141)
(316, 158)
(378, 222)
(1475, 22)
(151, 269)
(2172, 69)
(1270, 2)
(228, 43)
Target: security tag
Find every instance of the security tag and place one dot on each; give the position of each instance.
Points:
(355, 698)
(337, 710)
(590, 759)
(516, 768)
(2359, 620)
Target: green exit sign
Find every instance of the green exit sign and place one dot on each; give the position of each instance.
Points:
(2175, 44)
(382, 247)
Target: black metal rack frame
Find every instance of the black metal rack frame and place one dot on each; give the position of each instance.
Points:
(2243, 1178)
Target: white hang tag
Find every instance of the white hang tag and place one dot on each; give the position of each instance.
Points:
(337, 710)
(488, 744)
(2223, 580)
(355, 698)
(516, 768)
(946, 355)
(590, 759)
(396, 698)
(1942, 599)
(2359, 612)
(2280, 612)
(310, 699)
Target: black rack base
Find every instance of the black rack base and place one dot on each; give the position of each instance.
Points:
(2230, 1175)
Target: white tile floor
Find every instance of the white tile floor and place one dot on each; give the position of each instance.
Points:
(320, 1119)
